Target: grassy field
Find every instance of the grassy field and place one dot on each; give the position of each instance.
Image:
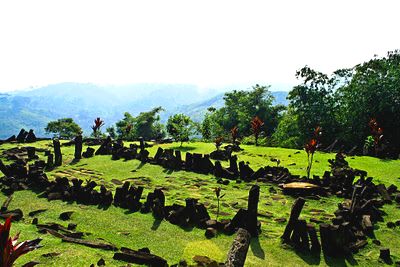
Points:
(135, 230)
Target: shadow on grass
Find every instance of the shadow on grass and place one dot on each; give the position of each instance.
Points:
(257, 249)
(74, 162)
(340, 261)
(156, 224)
(309, 258)
(140, 165)
(168, 171)
(183, 148)
(103, 207)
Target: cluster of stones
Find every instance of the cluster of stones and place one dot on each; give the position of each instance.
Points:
(354, 220)
(192, 213)
(18, 177)
(23, 137)
(198, 163)
(226, 152)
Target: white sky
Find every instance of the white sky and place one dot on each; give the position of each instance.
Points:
(207, 43)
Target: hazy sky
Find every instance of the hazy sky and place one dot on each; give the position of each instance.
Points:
(207, 43)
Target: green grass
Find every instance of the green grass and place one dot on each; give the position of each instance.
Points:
(135, 230)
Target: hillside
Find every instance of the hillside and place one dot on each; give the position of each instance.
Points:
(84, 102)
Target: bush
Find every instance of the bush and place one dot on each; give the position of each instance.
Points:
(251, 140)
(287, 133)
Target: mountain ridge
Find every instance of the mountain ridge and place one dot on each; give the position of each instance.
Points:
(83, 102)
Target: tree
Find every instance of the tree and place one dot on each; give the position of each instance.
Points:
(210, 128)
(111, 132)
(125, 127)
(287, 133)
(145, 125)
(180, 127)
(314, 103)
(240, 107)
(372, 91)
(63, 128)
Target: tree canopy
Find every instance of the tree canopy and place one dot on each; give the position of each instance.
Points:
(63, 128)
(180, 127)
(240, 107)
(146, 125)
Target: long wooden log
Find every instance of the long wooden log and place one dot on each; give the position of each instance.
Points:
(238, 252)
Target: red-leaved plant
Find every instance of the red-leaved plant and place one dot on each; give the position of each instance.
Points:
(311, 147)
(234, 134)
(219, 197)
(377, 133)
(98, 123)
(9, 248)
(218, 142)
(256, 125)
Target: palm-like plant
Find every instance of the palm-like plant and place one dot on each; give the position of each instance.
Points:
(98, 123)
(234, 134)
(311, 147)
(256, 125)
(219, 197)
(377, 133)
(218, 142)
(10, 249)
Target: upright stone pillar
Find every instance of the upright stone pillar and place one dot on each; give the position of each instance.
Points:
(252, 209)
(78, 147)
(57, 152)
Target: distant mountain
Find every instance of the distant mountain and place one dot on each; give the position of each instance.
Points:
(84, 102)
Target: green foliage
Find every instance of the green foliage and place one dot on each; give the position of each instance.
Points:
(251, 140)
(111, 132)
(369, 142)
(239, 109)
(125, 127)
(180, 127)
(287, 133)
(372, 92)
(63, 128)
(314, 103)
(209, 128)
(343, 103)
(145, 125)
